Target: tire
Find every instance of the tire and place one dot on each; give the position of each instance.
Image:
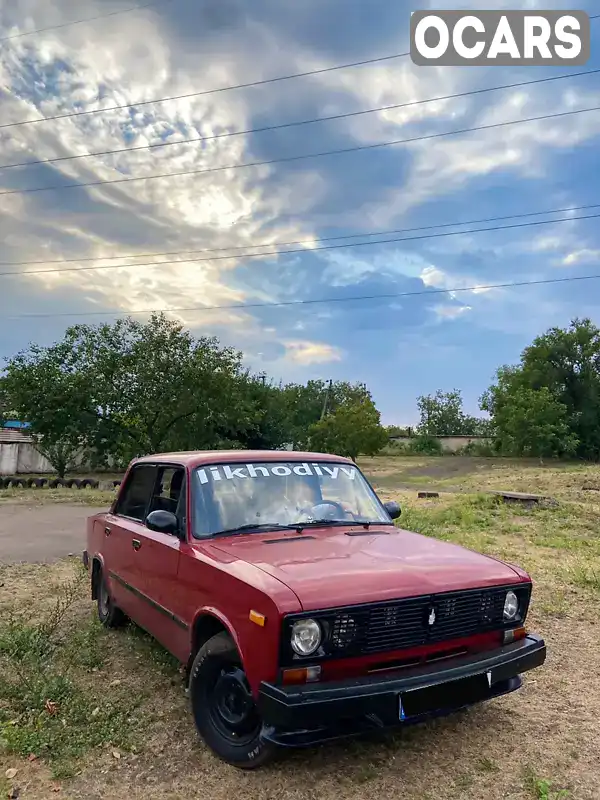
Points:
(17, 483)
(116, 484)
(90, 483)
(57, 483)
(231, 729)
(37, 483)
(73, 483)
(108, 613)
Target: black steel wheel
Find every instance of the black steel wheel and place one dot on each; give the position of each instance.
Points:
(223, 706)
(108, 613)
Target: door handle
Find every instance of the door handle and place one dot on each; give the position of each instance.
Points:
(107, 531)
(136, 544)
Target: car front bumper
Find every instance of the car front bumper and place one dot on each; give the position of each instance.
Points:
(297, 716)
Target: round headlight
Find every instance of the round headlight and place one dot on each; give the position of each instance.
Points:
(306, 637)
(511, 606)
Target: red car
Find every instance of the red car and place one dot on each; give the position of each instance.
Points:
(300, 610)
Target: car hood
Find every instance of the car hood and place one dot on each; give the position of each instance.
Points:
(333, 568)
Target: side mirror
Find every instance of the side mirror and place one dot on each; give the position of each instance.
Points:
(163, 522)
(393, 509)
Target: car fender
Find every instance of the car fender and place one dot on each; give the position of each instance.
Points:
(211, 611)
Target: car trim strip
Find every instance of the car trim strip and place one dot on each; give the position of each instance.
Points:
(177, 620)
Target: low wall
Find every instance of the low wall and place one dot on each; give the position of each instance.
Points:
(450, 444)
(19, 458)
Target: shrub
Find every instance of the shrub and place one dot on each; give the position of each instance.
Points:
(426, 445)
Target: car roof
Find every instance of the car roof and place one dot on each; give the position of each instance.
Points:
(196, 458)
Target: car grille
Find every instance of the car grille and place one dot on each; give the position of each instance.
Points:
(412, 622)
(431, 619)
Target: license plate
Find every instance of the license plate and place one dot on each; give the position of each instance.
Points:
(446, 695)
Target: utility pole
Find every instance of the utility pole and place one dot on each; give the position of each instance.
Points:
(326, 401)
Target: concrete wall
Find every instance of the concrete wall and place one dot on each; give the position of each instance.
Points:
(450, 444)
(18, 458)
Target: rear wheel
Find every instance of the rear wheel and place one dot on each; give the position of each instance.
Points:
(108, 613)
(224, 710)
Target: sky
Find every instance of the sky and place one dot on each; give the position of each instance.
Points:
(401, 347)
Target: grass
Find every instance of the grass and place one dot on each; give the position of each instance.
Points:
(85, 497)
(119, 692)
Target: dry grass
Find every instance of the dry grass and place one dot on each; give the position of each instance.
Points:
(542, 742)
(34, 497)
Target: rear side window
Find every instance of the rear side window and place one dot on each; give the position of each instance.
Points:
(137, 493)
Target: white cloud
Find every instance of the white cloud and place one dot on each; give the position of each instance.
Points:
(584, 256)
(306, 352)
(446, 312)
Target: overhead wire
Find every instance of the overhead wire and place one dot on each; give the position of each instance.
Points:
(301, 157)
(299, 123)
(87, 19)
(218, 89)
(301, 250)
(311, 242)
(315, 301)
(204, 92)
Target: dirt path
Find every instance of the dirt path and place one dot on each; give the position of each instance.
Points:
(43, 533)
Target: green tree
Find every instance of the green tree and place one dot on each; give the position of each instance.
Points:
(442, 415)
(531, 422)
(127, 389)
(353, 429)
(566, 362)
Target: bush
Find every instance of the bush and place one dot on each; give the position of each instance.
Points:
(426, 445)
(483, 449)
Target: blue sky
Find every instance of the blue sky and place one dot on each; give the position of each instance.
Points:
(400, 347)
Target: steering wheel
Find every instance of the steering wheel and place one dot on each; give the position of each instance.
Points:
(338, 507)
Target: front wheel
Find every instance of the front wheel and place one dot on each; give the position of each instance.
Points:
(223, 706)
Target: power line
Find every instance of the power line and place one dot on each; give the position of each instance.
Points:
(206, 91)
(289, 159)
(303, 249)
(386, 296)
(87, 19)
(311, 242)
(219, 89)
(299, 123)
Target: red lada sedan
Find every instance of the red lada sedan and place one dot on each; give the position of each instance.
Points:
(299, 608)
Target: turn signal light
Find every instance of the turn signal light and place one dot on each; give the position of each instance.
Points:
(514, 635)
(302, 675)
(257, 618)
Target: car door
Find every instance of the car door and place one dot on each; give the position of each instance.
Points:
(156, 562)
(120, 528)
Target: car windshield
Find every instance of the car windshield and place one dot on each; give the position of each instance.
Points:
(227, 497)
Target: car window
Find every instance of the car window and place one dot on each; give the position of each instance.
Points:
(136, 495)
(168, 490)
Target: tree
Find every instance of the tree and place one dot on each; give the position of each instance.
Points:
(531, 422)
(306, 404)
(566, 362)
(442, 415)
(351, 430)
(128, 389)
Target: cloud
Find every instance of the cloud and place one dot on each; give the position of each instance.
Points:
(445, 312)
(305, 352)
(585, 256)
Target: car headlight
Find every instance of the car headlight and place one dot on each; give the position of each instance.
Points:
(511, 606)
(306, 637)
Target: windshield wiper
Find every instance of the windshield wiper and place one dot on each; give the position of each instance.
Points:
(253, 527)
(322, 523)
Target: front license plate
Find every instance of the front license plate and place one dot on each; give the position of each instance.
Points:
(444, 696)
